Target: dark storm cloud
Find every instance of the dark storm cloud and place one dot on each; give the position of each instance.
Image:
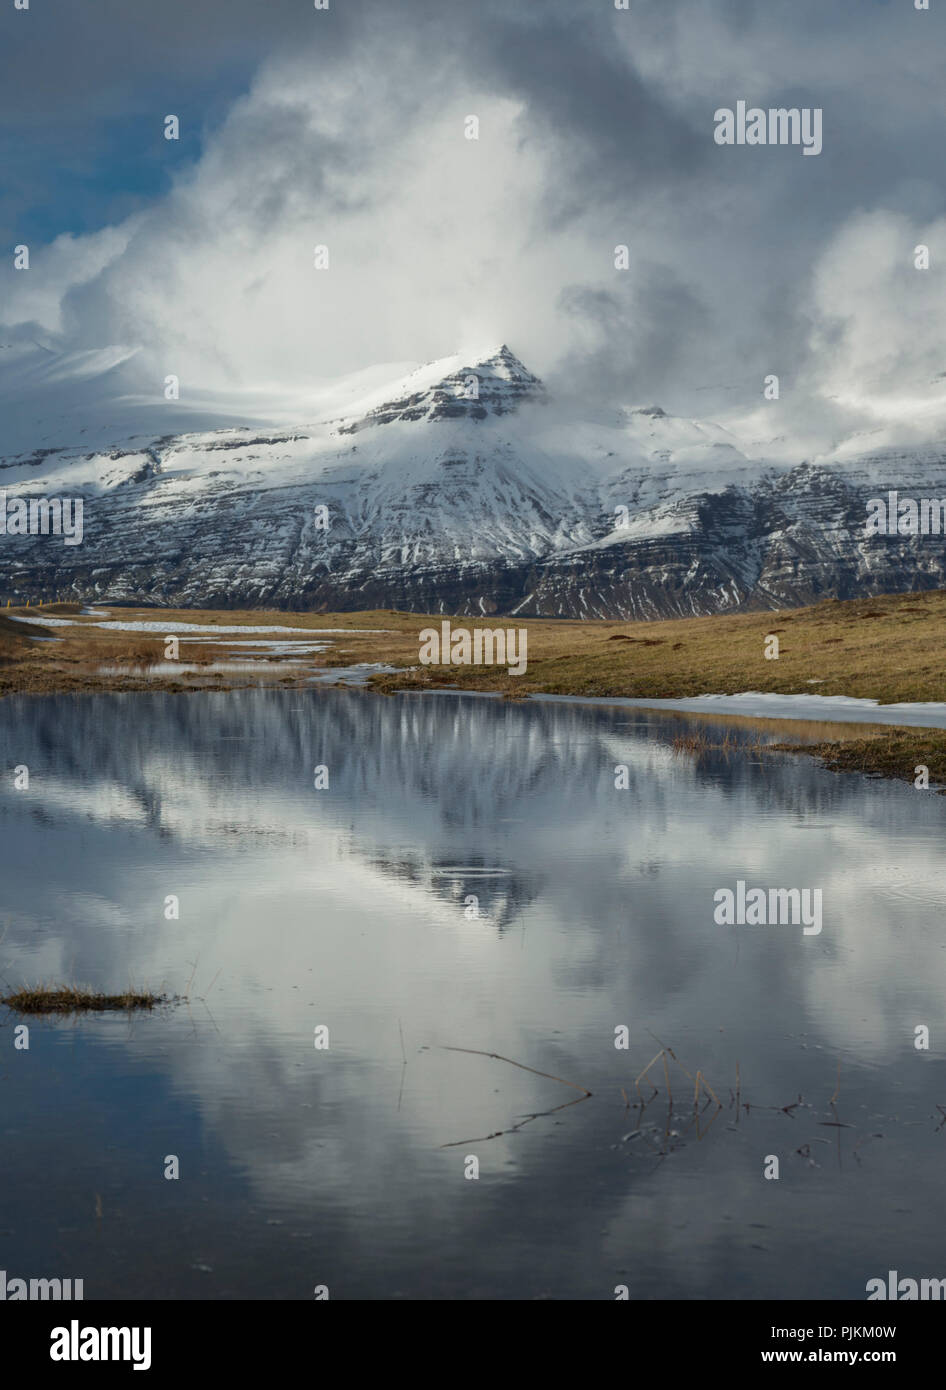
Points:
(583, 94)
(667, 317)
(83, 59)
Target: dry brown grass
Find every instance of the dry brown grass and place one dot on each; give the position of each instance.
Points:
(885, 649)
(699, 742)
(134, 652)
(72, 999)
(84, 657)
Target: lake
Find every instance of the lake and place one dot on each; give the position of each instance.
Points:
(470, 878)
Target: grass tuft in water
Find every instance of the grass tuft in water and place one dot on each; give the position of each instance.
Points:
(71, 999)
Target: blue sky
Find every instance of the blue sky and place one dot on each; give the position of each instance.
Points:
(84, 85)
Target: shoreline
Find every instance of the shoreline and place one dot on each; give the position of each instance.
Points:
(866, 668)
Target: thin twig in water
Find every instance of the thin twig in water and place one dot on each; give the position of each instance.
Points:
(637, 1083)
(700, 1134)
(476, 1052)
(400, 1091)
(210, 1015)
(710, 1089)
(481, 1139)
(195, 964)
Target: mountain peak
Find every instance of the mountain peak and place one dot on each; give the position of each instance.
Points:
(471, 387)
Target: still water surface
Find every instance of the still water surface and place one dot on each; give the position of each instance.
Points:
(353, 907)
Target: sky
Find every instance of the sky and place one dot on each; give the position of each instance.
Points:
(347, 128)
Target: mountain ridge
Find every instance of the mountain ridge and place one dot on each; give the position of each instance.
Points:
(461, 486)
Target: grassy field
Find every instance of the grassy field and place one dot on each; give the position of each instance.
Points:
(886, 649)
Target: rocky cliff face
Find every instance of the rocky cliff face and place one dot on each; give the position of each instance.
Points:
(465, 489)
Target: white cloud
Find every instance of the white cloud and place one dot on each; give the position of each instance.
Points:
(743, 263)
(36, 293)
(877, 346)
(430, 236)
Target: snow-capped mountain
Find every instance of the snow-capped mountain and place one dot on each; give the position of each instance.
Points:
(461, 486)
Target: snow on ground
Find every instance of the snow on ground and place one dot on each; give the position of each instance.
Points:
(835, 709)
(353, 675)
(213, 629)
(266, 647)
